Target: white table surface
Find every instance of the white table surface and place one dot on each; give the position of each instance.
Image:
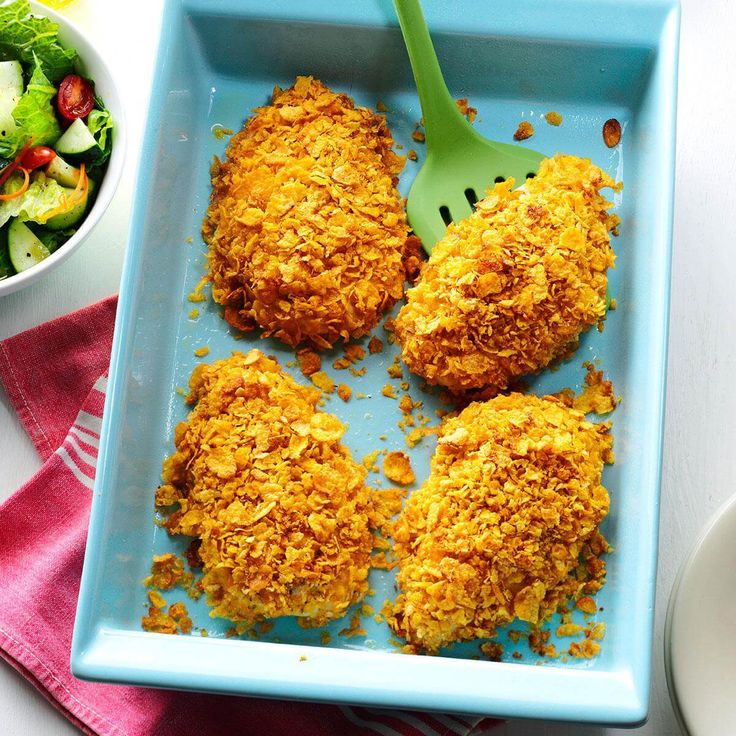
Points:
(699, 459)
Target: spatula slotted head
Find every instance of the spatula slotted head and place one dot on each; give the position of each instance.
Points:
(454, 177)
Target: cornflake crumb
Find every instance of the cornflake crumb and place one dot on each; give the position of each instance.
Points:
(344, 392)
(418, 135)
(380, 561)
(570, 629)
(375, 345)
(586, 604)
(613, 305)
(355, 629)
(465, 109)
(167, 571)
(309, 362)
(325, 638)
(302, 658)
(597, 395)
(524, 131)
(181, 391)
(406, 404)
(389, 391)
(418, 434)
(492, 650)
(597, 631)
(397, 468)
(394, 370)
(369, 460)
(221, 132)
(358, 372)
(201, 352)
(354, 352)
(194, 313)
(323, 382)
(553, 118)
(156, 599)
(411, 154)
(189, 239)
(197, 295)
(586, 649)
(174, 621)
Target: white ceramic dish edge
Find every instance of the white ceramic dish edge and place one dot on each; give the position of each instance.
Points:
(92, 62)
(723, 513)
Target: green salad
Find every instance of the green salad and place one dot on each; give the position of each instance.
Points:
(55, 139)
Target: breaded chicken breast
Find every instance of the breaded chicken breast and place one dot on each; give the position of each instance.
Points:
(512, 287)
(506, 525)
(306, 229)
(260, 477)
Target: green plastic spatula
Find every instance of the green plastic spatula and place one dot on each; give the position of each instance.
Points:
(460, 165)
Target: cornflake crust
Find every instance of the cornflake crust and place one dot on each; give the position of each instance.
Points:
(261, 478)
(506, 525)
(512, 287)
(306, 229)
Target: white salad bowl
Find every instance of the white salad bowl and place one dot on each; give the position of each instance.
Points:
(92, 65)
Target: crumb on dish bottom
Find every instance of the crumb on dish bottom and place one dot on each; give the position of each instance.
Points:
(506, 526)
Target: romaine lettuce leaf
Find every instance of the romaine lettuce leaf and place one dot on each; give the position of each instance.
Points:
(24, 35)
(36, 203)
(34, 116)
(101, 126)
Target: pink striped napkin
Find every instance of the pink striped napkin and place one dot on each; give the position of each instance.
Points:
(54, 377)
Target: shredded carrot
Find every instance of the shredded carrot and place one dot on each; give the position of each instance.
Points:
(77, 196)
(14, 164)
(24, 186)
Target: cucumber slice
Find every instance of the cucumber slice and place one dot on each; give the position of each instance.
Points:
(76, 140)
(71, 217)
(66, 174)
(11, 89)
(6, 267)
(25, 249)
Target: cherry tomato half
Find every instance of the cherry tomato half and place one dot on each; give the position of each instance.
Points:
(36, 157)
(76, 98)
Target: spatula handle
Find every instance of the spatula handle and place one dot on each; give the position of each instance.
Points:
(442, 119)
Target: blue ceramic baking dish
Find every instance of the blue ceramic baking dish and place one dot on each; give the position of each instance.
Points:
(589, 60)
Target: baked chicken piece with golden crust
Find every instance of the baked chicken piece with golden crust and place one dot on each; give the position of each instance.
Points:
(306, 229)
(512, 287)
(261, 478)
(506, 525)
